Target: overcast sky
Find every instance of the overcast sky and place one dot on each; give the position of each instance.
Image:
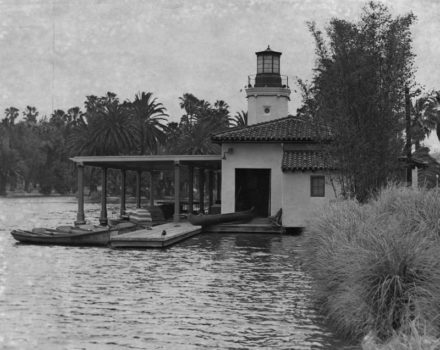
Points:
(54, 53)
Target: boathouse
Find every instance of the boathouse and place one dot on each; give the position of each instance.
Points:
(276, 164)
(277, 161)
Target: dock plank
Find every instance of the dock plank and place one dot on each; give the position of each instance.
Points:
(152, 238)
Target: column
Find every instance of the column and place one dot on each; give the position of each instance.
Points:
(123, 180)
(190, 189)
(103, 218)
(219, 185)
(210, 190)
(138, 189)
(151, 189)
(202, 190)
(176, 192)
(80, 218)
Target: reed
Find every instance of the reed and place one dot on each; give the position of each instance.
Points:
(376, 266)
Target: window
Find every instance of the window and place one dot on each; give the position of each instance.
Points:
(317, 186)
(260, 64)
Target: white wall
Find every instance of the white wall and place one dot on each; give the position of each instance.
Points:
(251, 156)
(298, 205)
(277, 99)
(289, 191)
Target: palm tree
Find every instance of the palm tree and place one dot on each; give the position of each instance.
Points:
(240, 119)
(426, 112)
(11, 114)
(30, 114)
(149, 117)
(112, 132)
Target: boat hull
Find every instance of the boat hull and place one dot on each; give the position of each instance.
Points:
(101, 238)
(97, 236)
(206, 220)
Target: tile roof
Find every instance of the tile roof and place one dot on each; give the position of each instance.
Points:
(305, 160)
(288, 129)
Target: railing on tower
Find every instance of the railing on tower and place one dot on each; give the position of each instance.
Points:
(284, 81)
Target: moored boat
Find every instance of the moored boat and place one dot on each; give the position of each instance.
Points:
(212, 219)
(84, 235)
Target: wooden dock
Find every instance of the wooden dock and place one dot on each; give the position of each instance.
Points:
(154, 238)
(256, 225)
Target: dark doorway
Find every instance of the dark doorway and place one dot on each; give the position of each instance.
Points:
(252, 189)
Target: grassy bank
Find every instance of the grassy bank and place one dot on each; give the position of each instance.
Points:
(377, 266)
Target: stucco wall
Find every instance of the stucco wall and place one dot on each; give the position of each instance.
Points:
(298, 205)
(259, 98)
(251, 156)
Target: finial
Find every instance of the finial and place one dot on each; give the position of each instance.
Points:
(268, 48)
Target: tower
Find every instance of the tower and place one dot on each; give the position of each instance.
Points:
(267, 92)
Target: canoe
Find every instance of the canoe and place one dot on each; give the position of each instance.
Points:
(77, 236)
(212, 219)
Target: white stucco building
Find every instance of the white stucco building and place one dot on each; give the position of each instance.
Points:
(276, 162)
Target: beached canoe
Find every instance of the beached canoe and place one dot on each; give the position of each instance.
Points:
(212, 219)
(84, 235)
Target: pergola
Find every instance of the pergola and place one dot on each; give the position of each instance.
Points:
(151, 163)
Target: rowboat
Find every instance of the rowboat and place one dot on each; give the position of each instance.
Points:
(84, 235)
(212, 219)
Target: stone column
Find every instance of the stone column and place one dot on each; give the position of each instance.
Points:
(219, 185)
(123, 180)
(138, 188)
(202, 190)
(151, 189)
(210, 190)
(80, 217)
(103, 218)
(176, 192)
(190, 189)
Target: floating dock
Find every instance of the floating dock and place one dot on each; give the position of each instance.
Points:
(159, 236)
(256, 225)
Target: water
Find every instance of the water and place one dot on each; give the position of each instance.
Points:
(233, 291)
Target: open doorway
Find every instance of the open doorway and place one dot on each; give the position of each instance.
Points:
(252, 189)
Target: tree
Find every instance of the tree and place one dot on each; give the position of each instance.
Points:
(30, 114)
(149, 117)
(193, 134)
(240, 119)
(358, 91)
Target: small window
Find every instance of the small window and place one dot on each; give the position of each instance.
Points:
(317, 186)
(267, 110)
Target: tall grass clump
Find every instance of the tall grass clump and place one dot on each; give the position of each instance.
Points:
(376, 266)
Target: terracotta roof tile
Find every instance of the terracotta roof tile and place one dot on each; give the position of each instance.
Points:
(288, 129)
(305, 160)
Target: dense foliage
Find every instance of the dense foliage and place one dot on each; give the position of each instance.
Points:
(377, 265)
(35, 151)
(361, 73)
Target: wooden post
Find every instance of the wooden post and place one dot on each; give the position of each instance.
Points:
(219, 186)
(176, 191)
(210, 190)
(103, 218)
(151, 189)
(138, 189)
(80, 217)
(123, 180)
(201, 190)
(190, 189)
(408, 137)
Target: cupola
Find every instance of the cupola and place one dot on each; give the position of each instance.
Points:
(268, 68)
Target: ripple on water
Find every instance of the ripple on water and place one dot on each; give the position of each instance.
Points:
(210, 292)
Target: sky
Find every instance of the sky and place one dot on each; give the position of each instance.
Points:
(55, 52)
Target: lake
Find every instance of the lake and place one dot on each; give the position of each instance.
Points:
(212, 291)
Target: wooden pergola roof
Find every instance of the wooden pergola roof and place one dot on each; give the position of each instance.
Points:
(150, 162)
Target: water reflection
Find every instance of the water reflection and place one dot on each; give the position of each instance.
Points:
(212, 291)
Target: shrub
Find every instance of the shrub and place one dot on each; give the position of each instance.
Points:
(376, 266)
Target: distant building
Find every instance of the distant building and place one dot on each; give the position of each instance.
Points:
(277, 161)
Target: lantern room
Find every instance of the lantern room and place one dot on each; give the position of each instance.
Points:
(268, 68)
